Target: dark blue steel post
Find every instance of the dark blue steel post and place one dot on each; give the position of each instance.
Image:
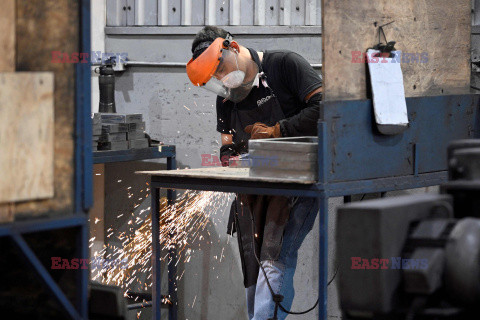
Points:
(83, 155)
(323, 232)
(172, 253)
(157, 276)
(83, 125)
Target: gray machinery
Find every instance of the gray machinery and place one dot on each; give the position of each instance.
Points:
(416, 256)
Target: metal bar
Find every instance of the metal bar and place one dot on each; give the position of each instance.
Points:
(172, 253)
(141, 305)
(172, 64)
(45, 276)
(322, 152)
(323, 259)
(156, 251)
(323, 158)
(235, 30)
(82, 277)
(39, 225)
(83, 125)
(338, 189)
(415, 160)
(237, 186)
(133, 154)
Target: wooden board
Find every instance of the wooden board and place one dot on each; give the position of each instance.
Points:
(221, 173)
(26, 136)
(440, 28)
(43, 26)
(7, 36)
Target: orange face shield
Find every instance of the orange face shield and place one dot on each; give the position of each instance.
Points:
(202, 69)
(217, 70)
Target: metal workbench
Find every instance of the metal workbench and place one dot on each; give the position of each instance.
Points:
(353, 159)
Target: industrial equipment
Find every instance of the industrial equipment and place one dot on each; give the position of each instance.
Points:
(416, 256)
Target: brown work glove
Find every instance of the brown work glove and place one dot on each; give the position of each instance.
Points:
(260, 130)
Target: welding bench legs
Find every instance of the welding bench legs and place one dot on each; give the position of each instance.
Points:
(171, 299)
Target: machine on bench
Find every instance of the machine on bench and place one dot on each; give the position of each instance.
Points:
(416, 256)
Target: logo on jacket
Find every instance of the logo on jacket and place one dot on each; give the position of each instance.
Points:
(264, 100)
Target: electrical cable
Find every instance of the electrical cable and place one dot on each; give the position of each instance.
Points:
(276, 297)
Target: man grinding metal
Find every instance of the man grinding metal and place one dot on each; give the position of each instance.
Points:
(261, 95)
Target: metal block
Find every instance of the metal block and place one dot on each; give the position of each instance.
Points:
(286, 175)
(285, 155)
(291, 144)
(138, 143)
(136, 126)
(278, 163)
(111, 117)
(113, 145)
(97, 130)
(134, 117)
(134, 135)
(109, 137)
(96, 119)
(115, 128)
(376, 229)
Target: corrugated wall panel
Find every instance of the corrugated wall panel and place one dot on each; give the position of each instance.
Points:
(130, 12)
(210, 12)
(312, 10)
(213, 12)
(246, 12)
(146, 12)
(235, 12)
(222, 12)
(285, 12)
(198, 12)
(116, 13)
(298, 12)
(186, 12)
(162, 12)
(174, 12)
(259, 7)
(272, 8)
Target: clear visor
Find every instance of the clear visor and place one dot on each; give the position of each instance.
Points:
(216, 86)
(228, 81)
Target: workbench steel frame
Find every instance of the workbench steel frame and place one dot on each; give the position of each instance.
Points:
(414, 159)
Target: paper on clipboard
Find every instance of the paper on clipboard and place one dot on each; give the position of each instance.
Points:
(388, 93)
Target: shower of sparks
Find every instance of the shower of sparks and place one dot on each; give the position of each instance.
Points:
(183, 227)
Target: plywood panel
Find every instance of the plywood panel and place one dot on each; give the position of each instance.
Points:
(7, 36)
(26, 136)
(44, 26)
(439, 28)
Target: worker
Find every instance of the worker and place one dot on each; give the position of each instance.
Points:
(270, 94)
